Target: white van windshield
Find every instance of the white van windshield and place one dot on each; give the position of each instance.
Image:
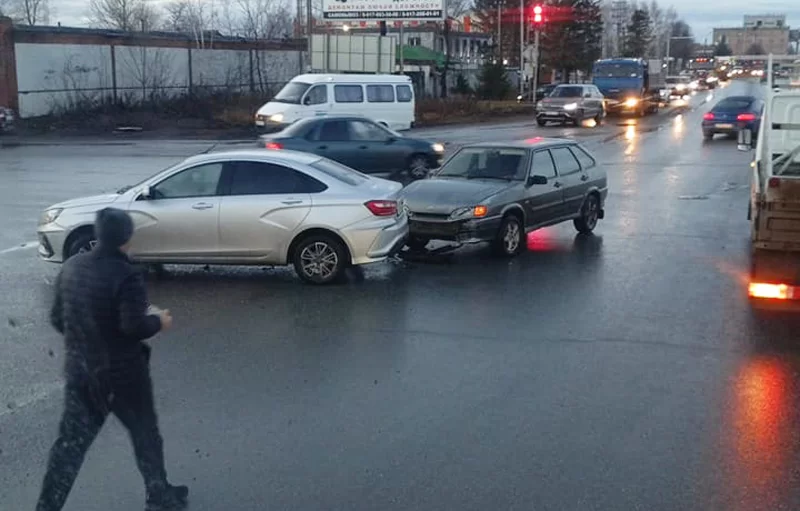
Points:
(292, 93)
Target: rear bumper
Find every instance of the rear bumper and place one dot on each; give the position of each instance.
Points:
(462, 231)
(387, 241)
(729, 127)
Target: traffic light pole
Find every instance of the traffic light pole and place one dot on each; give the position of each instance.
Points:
(535, 62)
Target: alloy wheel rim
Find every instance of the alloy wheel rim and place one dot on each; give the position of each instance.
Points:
(88, 247)
(591, 213)
(511, 237)
(319, 259)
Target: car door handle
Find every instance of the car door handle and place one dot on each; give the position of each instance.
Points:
(202, 205)
(292, 201)
(584, 177)
(557, 184)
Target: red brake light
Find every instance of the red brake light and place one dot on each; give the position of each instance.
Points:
(273, 145)
(774, 182)
(746, 117)
(382, 207)
(708, 116)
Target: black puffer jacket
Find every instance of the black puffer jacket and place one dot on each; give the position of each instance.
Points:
(101, 309)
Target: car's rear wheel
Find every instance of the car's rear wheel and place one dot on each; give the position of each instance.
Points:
(419, 166)
(510, 238)
(708, 135)
(80, 243)
(541, 122)
(319, 259)
(590, 214)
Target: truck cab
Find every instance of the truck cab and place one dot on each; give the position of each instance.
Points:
(628, 85)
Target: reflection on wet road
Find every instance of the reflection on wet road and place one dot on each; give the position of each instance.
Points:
(619, 371)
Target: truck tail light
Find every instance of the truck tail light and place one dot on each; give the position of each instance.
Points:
(382, 207)
(774, 182)
(772, 291)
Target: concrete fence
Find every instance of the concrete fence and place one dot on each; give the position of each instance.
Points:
(46, 70)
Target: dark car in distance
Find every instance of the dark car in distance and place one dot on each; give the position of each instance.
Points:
(733, 114)
(498, 192)
(360, 144)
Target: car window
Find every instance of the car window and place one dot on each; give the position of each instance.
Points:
(567, 91)
(334, 131)
(199, 181)
(565, 162)
(318, 95)
(543, 165)
(340, 172)
(261, 178)
(367, 132)
(583, 157)
(380, 93)
(487, 163)
(404, 94)
(348, 93)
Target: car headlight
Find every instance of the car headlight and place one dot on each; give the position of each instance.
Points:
(50, 216)
(681, 86)
(570, 106)
(519, 98)
(276, 118)
(469, 212)
(631, 102)
(437, 148)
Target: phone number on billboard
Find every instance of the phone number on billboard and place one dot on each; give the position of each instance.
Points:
(429, 14)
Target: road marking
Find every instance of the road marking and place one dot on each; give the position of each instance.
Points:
(23, 246)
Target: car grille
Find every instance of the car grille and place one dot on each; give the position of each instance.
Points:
(428, 216)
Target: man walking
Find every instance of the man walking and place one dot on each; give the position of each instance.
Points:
(101, 309)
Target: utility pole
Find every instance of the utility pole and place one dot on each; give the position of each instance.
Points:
(500, 31)
(310, 33)
(521, 45)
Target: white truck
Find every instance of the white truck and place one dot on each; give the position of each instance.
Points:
(774, 210)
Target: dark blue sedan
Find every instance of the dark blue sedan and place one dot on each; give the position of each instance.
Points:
(360, 144)
(732, 114)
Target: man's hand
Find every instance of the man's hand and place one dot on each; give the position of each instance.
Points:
(166, 319)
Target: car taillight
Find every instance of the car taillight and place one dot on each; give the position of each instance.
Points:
(708, 116)
(273, 145)
(774, 182)
(382, 207)
(746, 117)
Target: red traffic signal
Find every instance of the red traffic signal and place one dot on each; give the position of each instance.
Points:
(538, 15)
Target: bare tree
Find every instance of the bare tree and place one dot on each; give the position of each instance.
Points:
(27, 12)
(196, 17)
(264, 19)
(128, 15)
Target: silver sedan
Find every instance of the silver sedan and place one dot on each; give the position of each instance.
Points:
(245, 208)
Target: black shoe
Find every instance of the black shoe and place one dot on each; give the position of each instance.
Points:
(172, 498)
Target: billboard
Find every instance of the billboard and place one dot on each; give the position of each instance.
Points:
(362, 10)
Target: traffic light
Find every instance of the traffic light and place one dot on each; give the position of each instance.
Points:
(538, 15)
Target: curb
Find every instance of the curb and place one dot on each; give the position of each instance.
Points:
(10, 144)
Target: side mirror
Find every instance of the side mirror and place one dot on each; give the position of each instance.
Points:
(147, 193)
(307, 100)
(537, 180)
(744, 140)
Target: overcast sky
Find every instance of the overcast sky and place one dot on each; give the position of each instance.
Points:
(703, 16)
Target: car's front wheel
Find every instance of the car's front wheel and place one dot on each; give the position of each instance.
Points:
(319, 259)
(510, 238)
(541, 122)
(590, 214)
(82, 242)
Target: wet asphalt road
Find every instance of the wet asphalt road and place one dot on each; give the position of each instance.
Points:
(622, 371)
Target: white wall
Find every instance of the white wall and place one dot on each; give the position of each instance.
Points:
(54, 78)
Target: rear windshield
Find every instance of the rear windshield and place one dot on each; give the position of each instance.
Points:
(340, 172)
(734, 104)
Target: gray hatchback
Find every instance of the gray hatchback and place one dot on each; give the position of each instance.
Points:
(498, 192)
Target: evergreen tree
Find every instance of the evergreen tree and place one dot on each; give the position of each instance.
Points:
(722, 49)
(639, 34)
(494, 83)
(572, 36)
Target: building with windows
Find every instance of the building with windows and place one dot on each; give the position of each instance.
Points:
(759, 34)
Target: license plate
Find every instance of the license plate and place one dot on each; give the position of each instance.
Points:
(433, 228)
(725, 126)
(551, 113)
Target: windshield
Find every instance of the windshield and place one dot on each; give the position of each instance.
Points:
(738, 103)
(292, 92)
(567, 92)
(621, 70)
(486, 163)
(339, 172)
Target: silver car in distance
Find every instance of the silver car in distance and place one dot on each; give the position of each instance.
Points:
(249, 207)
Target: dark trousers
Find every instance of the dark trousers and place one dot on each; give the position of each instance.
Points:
(87, 403)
